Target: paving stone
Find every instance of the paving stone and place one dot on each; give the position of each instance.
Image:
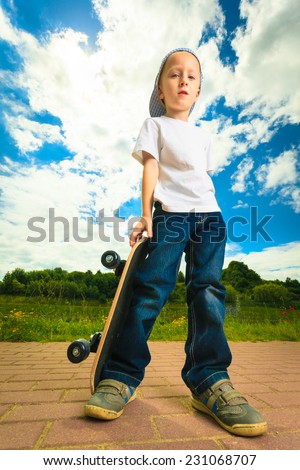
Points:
(238, 379)
(283, 419)
(44, 412)
(30, 397)
(82, 431)
(285, 386)
(153, 381)
(16, 386)
(34, 376)
(187, 426)
(4, 376)
(280, 441)
(77, 395)
(4, 409)
(42, 397)
(249, 388)
(197, 444)
(60, 384)
(281, 399)
(166, 391)
(174, 380)
(157, 406)
(20, 435)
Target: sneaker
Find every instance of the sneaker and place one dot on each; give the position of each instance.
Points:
(230, 409)
(109, 400)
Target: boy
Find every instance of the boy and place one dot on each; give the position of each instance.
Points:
(187, 219)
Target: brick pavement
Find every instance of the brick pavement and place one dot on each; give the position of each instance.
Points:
(42, 397)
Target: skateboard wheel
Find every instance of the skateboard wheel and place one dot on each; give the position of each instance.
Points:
(78, 351)
(110, 259)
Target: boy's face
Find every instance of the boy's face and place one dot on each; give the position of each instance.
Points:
(179, 84)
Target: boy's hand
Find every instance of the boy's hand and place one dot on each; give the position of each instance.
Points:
(143, 225)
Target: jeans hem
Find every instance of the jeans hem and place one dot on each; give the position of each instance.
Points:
(208, 382)
(120, 377)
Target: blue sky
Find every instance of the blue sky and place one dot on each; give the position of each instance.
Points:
(75, 80)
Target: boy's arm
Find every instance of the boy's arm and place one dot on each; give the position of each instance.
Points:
(150, 176)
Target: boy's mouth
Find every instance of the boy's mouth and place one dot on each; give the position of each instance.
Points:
(183, 92)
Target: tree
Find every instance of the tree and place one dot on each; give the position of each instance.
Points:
(293, 286)
(53, 283)
(239, 276)
(17, 287)
(106, 284)
(14, 282)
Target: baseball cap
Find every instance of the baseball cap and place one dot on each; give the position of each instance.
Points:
(156, 107)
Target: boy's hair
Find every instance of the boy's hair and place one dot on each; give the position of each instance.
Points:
(156, 106)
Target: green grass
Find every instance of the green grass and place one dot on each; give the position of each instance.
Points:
(41, 319)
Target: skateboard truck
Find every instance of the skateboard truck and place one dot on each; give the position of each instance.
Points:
(80, 349)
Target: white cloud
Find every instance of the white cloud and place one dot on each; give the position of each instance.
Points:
(276, 262)
(240, 205)
(72, 192)
(278, 171)
(8, 33)
(31, 135)
(280, 176)
(242, 176)
(290, 195)
(216, 76)
(231, 140)
(231, 249)
(268, 71)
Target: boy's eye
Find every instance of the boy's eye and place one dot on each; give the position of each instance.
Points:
(191, 77)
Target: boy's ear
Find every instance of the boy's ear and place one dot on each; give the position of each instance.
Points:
(160, 93)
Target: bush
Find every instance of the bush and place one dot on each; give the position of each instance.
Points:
(271, 293)
(231, 295)
(178, 294)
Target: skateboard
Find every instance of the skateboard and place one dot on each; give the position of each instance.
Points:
(102, 343)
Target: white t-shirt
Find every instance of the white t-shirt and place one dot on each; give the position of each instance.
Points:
(183, 152)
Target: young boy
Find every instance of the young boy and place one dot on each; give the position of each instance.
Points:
(176, 158)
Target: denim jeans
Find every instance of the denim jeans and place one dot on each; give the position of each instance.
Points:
(202, 237)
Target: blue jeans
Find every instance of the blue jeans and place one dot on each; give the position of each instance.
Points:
(202, 237)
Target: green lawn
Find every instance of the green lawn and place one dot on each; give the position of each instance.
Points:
(42, 319)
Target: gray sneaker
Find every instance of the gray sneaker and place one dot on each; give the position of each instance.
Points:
(230, 409)
(109, 399)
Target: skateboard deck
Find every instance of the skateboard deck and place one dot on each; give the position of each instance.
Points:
(118, 310)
